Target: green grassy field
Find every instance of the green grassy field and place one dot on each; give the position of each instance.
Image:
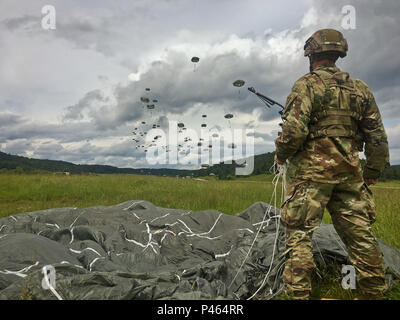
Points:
(25, 193)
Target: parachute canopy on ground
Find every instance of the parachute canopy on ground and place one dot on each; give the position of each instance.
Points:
(147, 270)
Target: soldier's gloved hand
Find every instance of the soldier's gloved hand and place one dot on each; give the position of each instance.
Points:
(370, 181)
(278, 161)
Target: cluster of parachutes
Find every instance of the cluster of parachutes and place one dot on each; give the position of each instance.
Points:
(150, 104)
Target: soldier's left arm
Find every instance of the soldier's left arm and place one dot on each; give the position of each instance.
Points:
(296, 116)
(375, 138)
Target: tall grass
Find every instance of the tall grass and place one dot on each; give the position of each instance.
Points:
(24, 193)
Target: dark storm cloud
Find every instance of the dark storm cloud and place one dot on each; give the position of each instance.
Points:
(178, 88)
(22, 128)
(8, 119)
(23, 22)
(75, 112)
(373, 47)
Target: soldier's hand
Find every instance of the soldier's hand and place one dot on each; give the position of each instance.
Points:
(370, 181)
(278, 161)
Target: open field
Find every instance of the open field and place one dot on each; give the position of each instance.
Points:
(24, 193)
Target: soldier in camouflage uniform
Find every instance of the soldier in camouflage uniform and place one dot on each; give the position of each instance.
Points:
(328, 119)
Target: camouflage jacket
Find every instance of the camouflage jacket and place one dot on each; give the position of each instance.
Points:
(330, 159)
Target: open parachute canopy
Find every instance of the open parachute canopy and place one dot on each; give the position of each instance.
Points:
(150, 106)
(147, 89)
(229, 116)
(239, 83)
(181, 125)
(195, 59)
(145, 100)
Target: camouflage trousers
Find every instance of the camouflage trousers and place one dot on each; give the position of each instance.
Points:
(352, 209)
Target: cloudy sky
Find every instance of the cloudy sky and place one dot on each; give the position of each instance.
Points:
(73, 93)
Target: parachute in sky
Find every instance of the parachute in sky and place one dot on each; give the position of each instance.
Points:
(147, 89)
(150, 106)
(181, 125)
(239, 84)
(204, 125)
(144, 99)
(229, 116)
(195, 60)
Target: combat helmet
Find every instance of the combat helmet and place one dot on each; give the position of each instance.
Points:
(326, 40)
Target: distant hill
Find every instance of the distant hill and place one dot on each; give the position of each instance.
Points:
(12, 162)
(262, 164)
(23, 164)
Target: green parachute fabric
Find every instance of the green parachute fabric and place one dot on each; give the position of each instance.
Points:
(136, 250)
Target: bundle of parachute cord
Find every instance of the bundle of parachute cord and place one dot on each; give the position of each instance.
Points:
(279, 172)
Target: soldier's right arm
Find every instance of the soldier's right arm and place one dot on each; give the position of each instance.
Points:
(375, 138)
(296, 116)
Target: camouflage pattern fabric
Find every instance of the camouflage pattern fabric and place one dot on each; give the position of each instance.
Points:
(330, 159)
(352, 208)
(325, 172)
